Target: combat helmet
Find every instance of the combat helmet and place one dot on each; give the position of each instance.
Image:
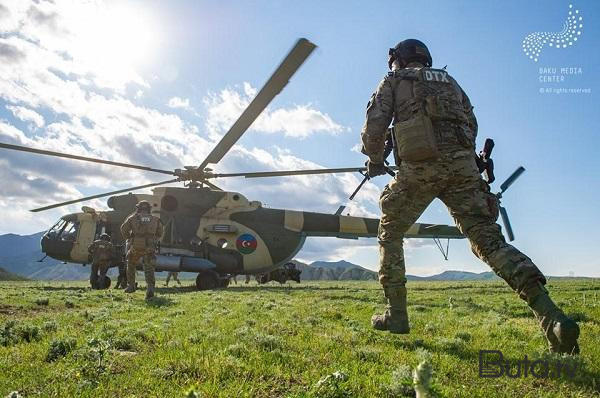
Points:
(410, 50)
(105, 237)
(143, 205)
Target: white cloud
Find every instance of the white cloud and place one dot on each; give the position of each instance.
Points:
(181, 103)
(27, 115)
(299, 121)
(177, 102)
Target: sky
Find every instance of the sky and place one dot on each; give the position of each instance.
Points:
(158, 83)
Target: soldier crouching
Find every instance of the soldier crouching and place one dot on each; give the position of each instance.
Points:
(101, 251)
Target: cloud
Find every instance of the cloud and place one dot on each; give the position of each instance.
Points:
(181, 103)
(10, 54)
(27, 115)
(299, 121)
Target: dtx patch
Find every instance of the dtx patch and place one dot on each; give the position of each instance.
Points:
(435, 75)
(246, 243)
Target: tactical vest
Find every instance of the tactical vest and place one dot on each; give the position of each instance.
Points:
(102, 250)
(144, 230)
(435, 98)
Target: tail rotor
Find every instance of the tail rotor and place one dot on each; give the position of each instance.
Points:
(503, 213)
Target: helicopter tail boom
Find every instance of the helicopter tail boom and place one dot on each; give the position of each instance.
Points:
(349, 227)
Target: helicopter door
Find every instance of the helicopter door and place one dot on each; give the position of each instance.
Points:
(85, 236)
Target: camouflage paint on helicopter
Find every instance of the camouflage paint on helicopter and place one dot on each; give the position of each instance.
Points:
(238, 236)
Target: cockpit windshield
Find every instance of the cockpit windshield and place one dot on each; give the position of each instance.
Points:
(64, 230)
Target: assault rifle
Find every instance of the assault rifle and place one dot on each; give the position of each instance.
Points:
(485, 162)
(389, 147)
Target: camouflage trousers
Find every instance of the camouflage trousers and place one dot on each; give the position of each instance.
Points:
(134, 256)
(101, 267)
(455, 180)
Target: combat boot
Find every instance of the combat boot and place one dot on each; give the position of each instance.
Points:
(149, 292)
(560, 331)
(395, 318)
(130, 288)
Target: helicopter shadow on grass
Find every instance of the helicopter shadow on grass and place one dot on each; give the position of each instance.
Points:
(290, 288)
(59, 288)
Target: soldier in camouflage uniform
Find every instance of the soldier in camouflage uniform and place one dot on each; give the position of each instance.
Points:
(142, 231)
(434, 133)
(101, 251)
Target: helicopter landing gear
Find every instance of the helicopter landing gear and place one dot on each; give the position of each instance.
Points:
(207, 280)
(223, 282)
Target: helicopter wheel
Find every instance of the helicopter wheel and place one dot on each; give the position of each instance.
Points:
(207, 280)
(106, 283)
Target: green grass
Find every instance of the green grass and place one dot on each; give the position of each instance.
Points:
(60, 339)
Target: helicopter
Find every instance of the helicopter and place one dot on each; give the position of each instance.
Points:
(207, 230)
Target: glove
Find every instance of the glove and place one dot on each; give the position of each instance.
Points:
(375, 169)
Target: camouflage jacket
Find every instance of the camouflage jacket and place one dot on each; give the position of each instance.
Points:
(142, 231)
(403, 92)
(100, 250)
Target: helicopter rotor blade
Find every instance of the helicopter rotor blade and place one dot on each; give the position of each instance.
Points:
(511, 179)
(84, 158)
(292, 172)
(69, 202)
(213, 186)
(507, 226)
(278, 80)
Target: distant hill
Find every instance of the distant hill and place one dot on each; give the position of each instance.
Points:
(19, 254)
(8, 276)
(456, 276)
(331, 271)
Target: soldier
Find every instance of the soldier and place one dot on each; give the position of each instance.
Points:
(435, 131)
(142, 231)
(101, 251)
(174, 275)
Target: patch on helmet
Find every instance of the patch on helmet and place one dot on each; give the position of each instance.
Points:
(246, 243)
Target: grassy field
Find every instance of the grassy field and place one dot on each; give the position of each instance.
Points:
(61, 339)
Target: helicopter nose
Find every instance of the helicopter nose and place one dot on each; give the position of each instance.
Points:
(55, 247)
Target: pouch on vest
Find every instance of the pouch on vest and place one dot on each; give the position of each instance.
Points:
(415, 139)
(444, 107)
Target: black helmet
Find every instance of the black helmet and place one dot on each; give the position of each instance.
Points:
(105, 237)
(410, 50)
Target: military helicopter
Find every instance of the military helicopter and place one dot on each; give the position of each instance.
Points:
(209, 231)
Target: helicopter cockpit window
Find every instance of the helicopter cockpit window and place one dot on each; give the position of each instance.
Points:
(69, 232)
(56, 229)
